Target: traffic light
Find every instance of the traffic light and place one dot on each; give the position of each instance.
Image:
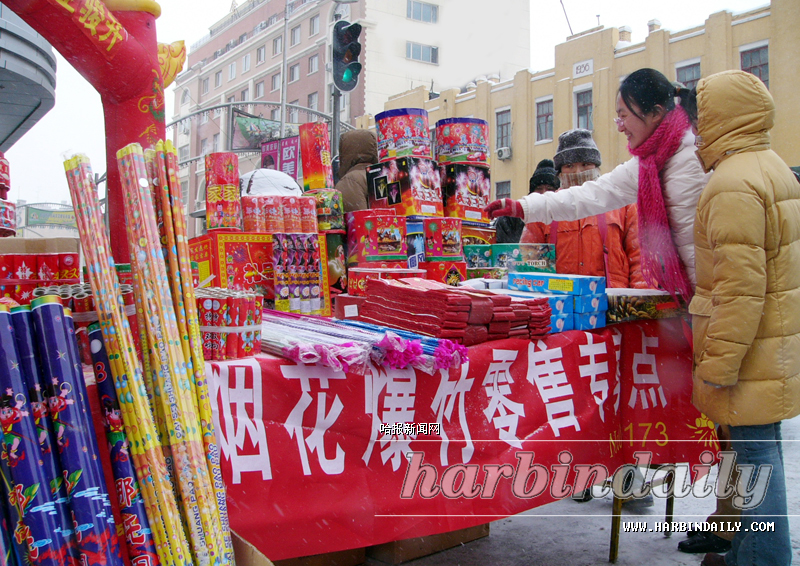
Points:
(346, 49)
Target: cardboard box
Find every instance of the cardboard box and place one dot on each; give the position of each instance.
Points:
(640, 304)
(386, 238)
(409, 185)
(415, 244)
(358, 227)
(589, 320)
(590, 303)
(448, 272)
(473, 233)
(556, 283)
(442, 238)
(467, 189)
(39, 245)
(478, 256)
(560, 323)
(237, 260)
(539, 258)
(486, 272)
(559, 304)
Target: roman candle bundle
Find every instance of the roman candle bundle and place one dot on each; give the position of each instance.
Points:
(146, 448)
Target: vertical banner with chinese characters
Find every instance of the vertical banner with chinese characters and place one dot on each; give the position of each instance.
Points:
(317, 460)
(282, 155)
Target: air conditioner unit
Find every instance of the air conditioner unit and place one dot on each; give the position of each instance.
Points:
(503, 153)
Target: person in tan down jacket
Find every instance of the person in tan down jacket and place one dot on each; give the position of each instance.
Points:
(746, 309)
(358, 149)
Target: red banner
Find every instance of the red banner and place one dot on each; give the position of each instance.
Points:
(317, 460)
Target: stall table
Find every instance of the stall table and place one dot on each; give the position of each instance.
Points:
(318, 460)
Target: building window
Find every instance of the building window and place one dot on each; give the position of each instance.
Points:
(185, 97)
(503, 128)
(232, 71)
(502, 189)
(313, 26)
(261, 54)
(245, 95)
(583, 105)
(294, 37)
(205, 86)
(294, 73)
(276, 81)
(688, 75)
(424, 53)
(313, 64)
(275, 114)
(183, 152)
(231, 99)
(185, 191)
(544, 120)
(215, 143)
(277, 45)
(294, 114)
(246, 63)
(260, 89)
(756, 61)
(203, 146)
(312, 101)
(422, 11)
(218, 79)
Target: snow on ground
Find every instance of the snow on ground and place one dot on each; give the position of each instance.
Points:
(566, 533)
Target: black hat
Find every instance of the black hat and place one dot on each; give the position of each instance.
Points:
(545, 174)
(576, 146)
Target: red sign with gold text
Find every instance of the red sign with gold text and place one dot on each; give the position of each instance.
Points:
(315, 460)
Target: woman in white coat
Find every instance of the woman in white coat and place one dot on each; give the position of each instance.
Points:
(664, 178)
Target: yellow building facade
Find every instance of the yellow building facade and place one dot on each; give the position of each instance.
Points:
(527, 113)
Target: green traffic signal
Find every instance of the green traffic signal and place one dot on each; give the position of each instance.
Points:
(347, 76)
(346, 50)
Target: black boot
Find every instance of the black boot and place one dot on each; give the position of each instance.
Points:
(702, 543)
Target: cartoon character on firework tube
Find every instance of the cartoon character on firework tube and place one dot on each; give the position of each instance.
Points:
(39, 408)
(112, 420)
(337, 270)
(11, 413)
(57, 402)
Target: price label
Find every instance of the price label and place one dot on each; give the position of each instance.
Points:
(560, 285)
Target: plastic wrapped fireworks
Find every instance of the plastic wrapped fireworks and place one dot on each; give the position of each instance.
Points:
(230, 323)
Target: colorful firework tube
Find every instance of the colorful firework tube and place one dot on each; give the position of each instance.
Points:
(246, 319)
(129, 381)
(280, 266)
(68, 265)
(75, 441)
(83, 305)
(223, 201)
(253, 214)
(46, 539)
(292, 221)
(7, 551)
(200, 384)
(130, 311)
(192, 474)
(205, 336)
(273, 213)
(139, 539)
(232, 320)
(28, 353)
(218, 308)
(47, 267)
(308, 215)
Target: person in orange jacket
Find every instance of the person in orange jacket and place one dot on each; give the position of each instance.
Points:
(603, 245)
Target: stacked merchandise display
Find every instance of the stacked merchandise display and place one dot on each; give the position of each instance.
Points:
(29, 263)
(230, 323)
(163, 402)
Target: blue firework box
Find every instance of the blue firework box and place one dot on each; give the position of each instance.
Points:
(590, 303)
(556, 283)
(589, 320)
(561, 323)
(559, 304)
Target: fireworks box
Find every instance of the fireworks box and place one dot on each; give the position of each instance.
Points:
(28, 263)
(409, 185)
(357, 277)
(315, 154)
(590, 303)
(637, 304)
(467, 190)
(478, 256)
(359, 225)
(486, 272)
(540, 258)
(442, 238)
(561, 323)
(386, 238)
(238, 260)
(415, 244)
(449, 272)
(475, 234)
(589, 320)
(558, 283)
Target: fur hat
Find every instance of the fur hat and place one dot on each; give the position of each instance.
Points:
(576, 146)
(545, 174)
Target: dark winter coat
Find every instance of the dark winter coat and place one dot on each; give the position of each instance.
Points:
(358, 150)
(509, 229)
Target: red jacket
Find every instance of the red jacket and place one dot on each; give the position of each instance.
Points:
(579, 246)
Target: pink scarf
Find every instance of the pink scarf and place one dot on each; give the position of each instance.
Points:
(660, 262)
